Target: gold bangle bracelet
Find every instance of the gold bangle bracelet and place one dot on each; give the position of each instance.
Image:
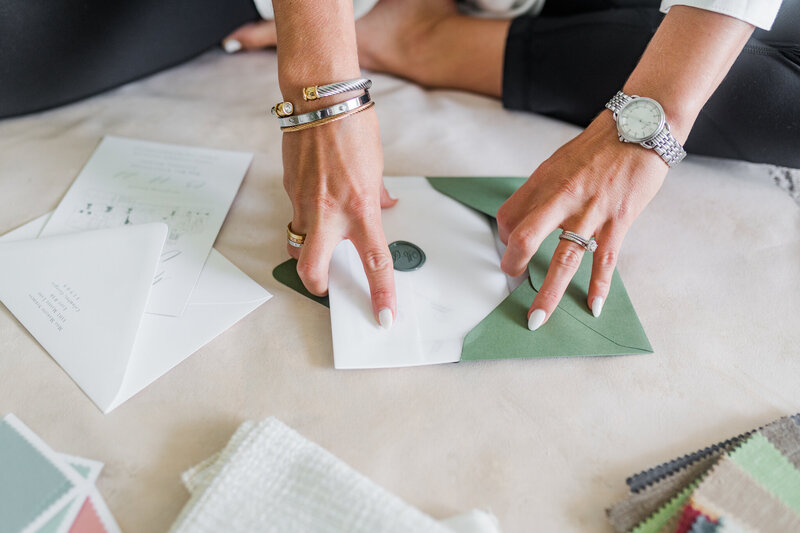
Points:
(328, 120)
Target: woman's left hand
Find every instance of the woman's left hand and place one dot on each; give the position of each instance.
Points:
(594, 186)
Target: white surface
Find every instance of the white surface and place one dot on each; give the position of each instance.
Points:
(712, 267)
(457, 286)
(129, 181)
(152, 344)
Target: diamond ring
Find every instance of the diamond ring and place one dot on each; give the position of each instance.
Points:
(588, 244)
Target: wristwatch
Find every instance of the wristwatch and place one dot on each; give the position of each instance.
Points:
(642, 120)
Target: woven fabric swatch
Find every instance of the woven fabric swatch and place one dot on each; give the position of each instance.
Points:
(641, 480)
(689, 518)
(702, 524)
(759, 458)
(638, 506)
(765, 472)
(784, 434)
(271, 479)
(730, 491)
(656, 487)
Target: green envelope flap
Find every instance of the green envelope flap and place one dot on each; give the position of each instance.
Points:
(286, 273)
(483, 194)
(504, 334)
(618, 322)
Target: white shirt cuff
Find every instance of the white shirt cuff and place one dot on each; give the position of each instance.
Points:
(264, 8)
(759, 13)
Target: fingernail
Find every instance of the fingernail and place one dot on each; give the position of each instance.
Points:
(536, 319)
(597, 305)
(385, 318)
(232, 46)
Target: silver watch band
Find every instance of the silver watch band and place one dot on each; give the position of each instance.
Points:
(331, 111)
(617, 102)
(664, 144)
(667, 147)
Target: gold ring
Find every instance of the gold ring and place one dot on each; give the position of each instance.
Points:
(295, 239)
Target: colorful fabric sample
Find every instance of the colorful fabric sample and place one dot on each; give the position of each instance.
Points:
(729, 490)
(747, 483)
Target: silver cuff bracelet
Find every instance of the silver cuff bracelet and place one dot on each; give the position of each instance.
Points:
(339, 87)
(332, 111)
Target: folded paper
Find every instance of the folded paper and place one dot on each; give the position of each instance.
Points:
(132, 182)
(83, 297)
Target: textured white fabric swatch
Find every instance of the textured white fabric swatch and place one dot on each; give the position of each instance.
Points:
(270, 478)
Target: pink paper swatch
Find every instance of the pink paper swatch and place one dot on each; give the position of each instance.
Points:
(87, 520)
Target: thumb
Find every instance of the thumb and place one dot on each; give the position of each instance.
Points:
(386, 199)
(251, 36)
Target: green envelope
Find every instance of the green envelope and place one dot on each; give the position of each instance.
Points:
(504, 334)
(286, 273)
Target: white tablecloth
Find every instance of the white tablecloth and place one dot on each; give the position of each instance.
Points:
(713, 267)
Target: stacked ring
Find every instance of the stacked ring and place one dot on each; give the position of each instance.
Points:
(294, 239)
(588, 244)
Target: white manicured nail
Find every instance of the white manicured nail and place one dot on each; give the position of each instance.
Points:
(232, 46)
(385, 318)
(536, 319)
(597, 305)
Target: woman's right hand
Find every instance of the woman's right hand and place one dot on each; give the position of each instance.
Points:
(334, 177)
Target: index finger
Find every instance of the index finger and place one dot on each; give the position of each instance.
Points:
(563, 266)
(371, 246)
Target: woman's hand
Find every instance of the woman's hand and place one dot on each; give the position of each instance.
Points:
(594, 186)
(334, 177)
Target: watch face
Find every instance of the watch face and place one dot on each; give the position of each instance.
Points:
(640, 120)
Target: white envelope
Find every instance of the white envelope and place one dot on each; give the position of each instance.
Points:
(437, 305)
(113, 349)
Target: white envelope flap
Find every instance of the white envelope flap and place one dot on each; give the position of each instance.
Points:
(437, 305)
(82, 296)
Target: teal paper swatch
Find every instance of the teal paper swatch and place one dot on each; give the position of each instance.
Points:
(29, 482)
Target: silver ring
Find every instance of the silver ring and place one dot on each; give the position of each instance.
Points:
(295, 244)
(589, 245)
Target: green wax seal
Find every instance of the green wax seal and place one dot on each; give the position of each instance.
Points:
(406, 256)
